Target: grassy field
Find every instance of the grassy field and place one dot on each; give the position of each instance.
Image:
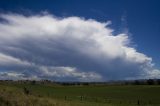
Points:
(13, 94)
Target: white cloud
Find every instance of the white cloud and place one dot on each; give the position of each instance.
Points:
(7, 60)
(16, 76)
(71, 47)
(69, 73)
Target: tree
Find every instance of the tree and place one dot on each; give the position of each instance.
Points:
(150, 81)
(137, 82)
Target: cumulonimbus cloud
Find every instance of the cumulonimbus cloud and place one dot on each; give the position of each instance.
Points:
(67, 49)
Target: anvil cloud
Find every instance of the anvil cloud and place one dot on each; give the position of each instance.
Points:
(67, 49)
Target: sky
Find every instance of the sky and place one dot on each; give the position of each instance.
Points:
(79, 40)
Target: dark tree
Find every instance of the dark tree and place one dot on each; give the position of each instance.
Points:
(158, 81)
(150, 81)
(137, 82)
(33, 82)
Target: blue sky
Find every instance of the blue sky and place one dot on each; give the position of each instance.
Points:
(139, 19)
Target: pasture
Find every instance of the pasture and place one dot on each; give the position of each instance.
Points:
(13, 94)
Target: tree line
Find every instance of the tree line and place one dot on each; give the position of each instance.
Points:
(119, 82)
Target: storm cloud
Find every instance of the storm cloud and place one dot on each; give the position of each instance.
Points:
(68, 49)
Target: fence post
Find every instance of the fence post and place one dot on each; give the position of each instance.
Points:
(81, 98)
(138, 102)
(65, 97)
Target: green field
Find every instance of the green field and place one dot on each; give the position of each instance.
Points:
(56, 95)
